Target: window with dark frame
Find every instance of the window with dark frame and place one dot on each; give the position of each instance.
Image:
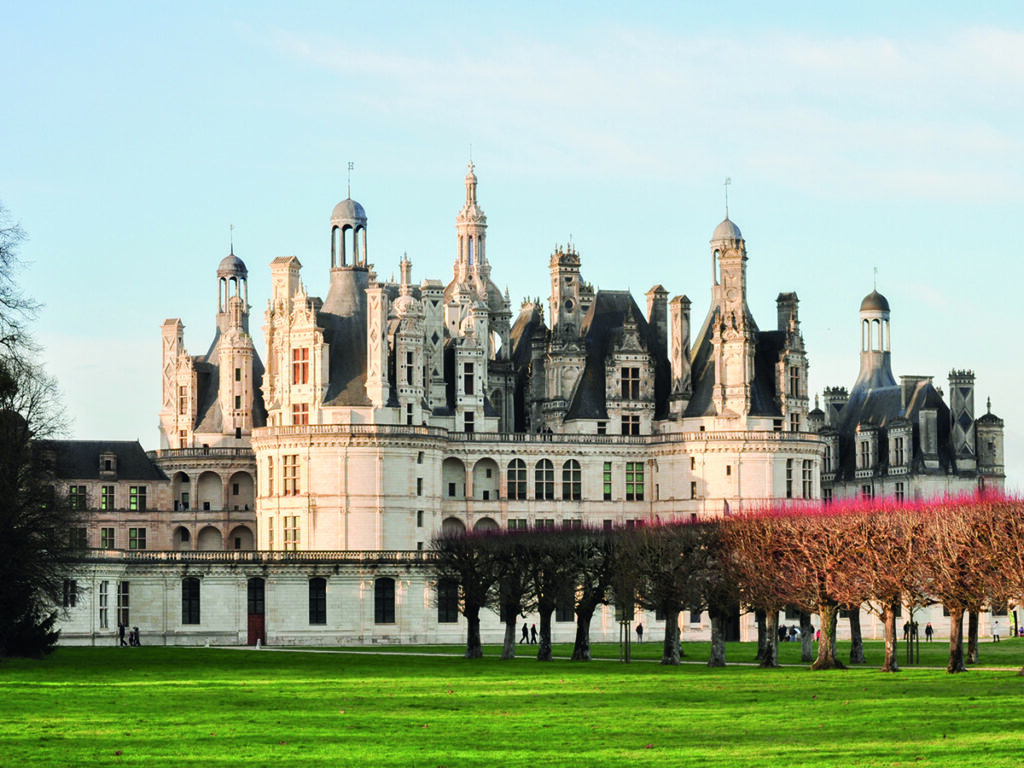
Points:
(447, 601)
(190, 600)
(516, 478)
(544, 480)
(318, 600)
(384, 600)
(572, 481)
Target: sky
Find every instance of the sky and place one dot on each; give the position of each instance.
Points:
(134, 136)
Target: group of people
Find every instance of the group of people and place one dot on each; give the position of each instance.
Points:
(529, 635)
(788, 634)
(133, 635)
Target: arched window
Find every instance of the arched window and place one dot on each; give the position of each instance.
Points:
(384, 601)
(544, 480)
(447, 601)
(517, 479)
(318, 601)
(190, 600)
(572, 485)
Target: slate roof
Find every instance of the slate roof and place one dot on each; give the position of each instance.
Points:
(80, 459)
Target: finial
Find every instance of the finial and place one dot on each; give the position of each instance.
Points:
(351, 166)
(988, 404)
(874, 285)
(231, 238)
(728, 181)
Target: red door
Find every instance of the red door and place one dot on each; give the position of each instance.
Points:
(257, 612)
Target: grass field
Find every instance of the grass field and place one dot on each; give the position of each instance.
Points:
(228, 707)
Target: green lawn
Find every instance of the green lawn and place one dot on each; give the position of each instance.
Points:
(180, 707)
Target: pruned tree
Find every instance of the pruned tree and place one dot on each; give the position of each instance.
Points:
(512, 585)
(1007, 538)
(756, 546)
(467, 558)
(962, 569)
(593, 553)
(551, 574)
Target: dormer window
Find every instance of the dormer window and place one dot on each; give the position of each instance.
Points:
(630, 383)
(108, 462)
(468, 381)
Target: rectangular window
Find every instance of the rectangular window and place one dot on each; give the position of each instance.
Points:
(76, 497)
(794, 422)
(544, 523)
(826, 495)
(899, 492)
(826, 462)
(631, 424)
(291, 532)
(107, 538)
(137, 498)
(238, 402)
(898, 452)
(234, 489)
(123, 603)
(693, 489)
(183, 401)
(300, 366)
(290, 472)
(544, 480)
(606, 477)
(468, 421)
(808, 479)
(318, 601)
(447, 601)
(270, 476)
(384, 601)
(409, 368)
(270, 533)
(70, 593)
(107, 498)
(136, 538)
(238, 374)
(190, 600)
(419, 486)
(516, 477)
(468, 381)
(103, 603)
(630, 384)
(864, 455)
(516, 524)
(789, 478)
(572, 481)
(79, 538)
(865, 491)
(300, 413)
(602, 427)
(794, 381)
(634, 481)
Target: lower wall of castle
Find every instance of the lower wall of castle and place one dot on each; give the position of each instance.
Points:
(153, 602)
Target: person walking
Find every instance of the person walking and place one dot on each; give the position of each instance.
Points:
(533, 635)
(526, 634)
(120, 633)
(639, 633)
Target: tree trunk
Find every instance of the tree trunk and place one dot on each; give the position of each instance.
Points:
(829, 613)
(544, 648)
(806, 638)
(670, 650)
(956, 641)
(760, 620)
(856, 639)
(474, 650)
(717, 658)
(889, 620)
(972, 637)
(508, 647)
(581, 648)
(770, 655)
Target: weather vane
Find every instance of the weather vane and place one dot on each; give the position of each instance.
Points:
(728, 181)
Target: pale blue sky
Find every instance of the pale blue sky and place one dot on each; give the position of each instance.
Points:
(134, 135)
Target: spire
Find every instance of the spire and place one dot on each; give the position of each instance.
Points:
(728, 181)
(470, 186)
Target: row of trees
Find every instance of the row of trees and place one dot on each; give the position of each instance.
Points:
(37, 552)
(965, 553)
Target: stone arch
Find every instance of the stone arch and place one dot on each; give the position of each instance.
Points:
(181, 490)
(486, 480)
(453, 479)
(241, 538)
(210, 491)
(241, 491)
(486, 524)
(182, 538)
(209, 540)
(452, 526)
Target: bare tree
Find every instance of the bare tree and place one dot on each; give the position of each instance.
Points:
(468, 560)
